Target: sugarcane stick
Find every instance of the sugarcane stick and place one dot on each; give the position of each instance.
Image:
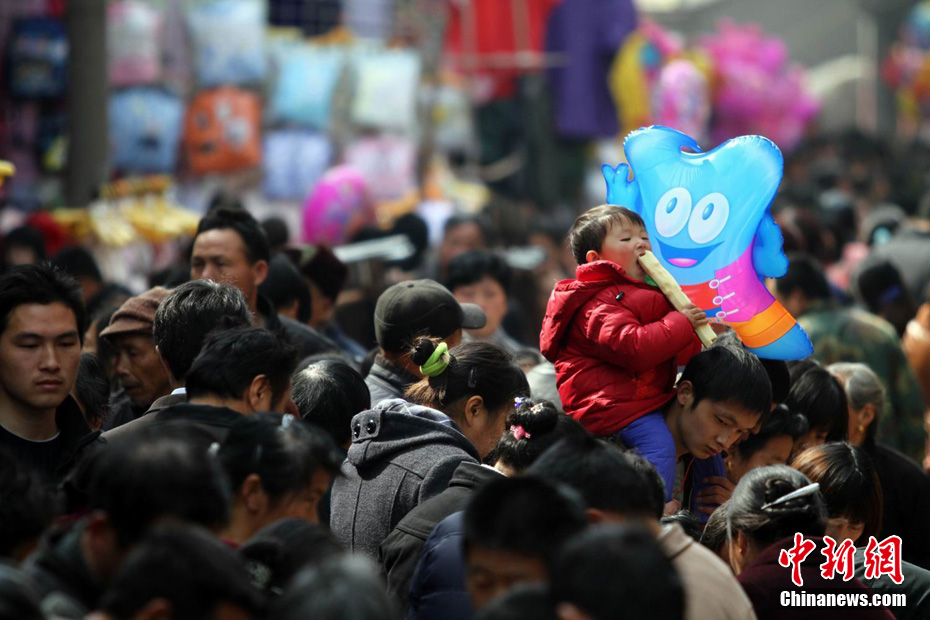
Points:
(673, 292)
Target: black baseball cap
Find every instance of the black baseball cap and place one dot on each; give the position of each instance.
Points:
(421, 307)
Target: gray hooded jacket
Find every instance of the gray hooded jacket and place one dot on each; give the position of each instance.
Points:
(401, 455)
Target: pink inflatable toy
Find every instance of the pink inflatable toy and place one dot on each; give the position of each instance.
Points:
(338, 207)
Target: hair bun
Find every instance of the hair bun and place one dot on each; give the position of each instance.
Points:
(535, 417)
(777, 488)
(423, 348)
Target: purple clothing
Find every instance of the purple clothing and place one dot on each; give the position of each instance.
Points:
(589, 34)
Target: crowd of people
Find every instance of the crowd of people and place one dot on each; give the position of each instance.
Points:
(510, 442)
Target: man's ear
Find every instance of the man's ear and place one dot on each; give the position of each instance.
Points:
(260, 271)
(684, 393)
(258, 395)
(866, 415)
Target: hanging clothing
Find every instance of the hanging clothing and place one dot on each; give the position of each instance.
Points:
(588, 33)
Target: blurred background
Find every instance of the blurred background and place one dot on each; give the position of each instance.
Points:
(365, 125)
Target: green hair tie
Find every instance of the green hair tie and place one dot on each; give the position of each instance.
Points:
(437, 362)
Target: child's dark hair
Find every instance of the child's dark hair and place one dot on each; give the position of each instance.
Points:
(729, 374)
(818, 395)
(470, 267)
(752, 513)
(591, 228)
(284, 452)
(475, 369)
(531, 429)
(781, 421)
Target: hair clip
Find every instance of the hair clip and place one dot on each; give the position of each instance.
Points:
(519, 432)
(802, 492)
(538, 408)
(214, 448)
(518, 401)
(473, 377)
(437, 362)
(287, 420)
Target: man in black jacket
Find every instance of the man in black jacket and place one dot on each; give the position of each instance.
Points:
(42, 325)
(231, 247)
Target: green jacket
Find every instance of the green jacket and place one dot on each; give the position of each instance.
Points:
(852, 335)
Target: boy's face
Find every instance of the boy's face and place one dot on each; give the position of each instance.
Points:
(490, 573)
(625, 242)
(711, 426)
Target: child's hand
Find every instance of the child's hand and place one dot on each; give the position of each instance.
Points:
(695, 315)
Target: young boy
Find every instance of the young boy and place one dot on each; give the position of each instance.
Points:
(615, 340)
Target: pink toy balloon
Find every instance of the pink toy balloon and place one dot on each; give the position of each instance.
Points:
(680, 99)
(338, 207)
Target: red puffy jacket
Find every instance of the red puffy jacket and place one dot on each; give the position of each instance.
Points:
(616, 344)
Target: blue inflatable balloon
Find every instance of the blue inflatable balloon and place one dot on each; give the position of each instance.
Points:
(710, 223)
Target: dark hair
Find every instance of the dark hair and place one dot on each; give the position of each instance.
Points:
(750, 510)
(470, 267)
(42, 284)
(479, 220)
(277, 552)
(189, 568)
(77, 262)
(688, 521)
(781, 421)
(155, 473)
(804, 273)
(848, 482)
(242, 222)
(475, 369)
(28, 504)
(618, 572)
(525, 601)
(729, 374)
(777, 370)
(608, 478)
(879, 287)
(346, 587)
(540, 426)
(231, 359)
(284, 285)
(189, 313)
(24, 237)
(819, 397)
(284, 452)
(591, 228)
(277, 231)
(92, 389)
(329, 394)
(528, 516)
(714, 536)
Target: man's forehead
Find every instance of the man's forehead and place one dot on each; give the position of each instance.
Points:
(218, 242)
(741, 414)
(53, 319)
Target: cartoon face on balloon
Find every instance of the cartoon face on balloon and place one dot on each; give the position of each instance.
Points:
(709, 220)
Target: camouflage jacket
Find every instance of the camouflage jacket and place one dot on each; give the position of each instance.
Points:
(852, 335)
